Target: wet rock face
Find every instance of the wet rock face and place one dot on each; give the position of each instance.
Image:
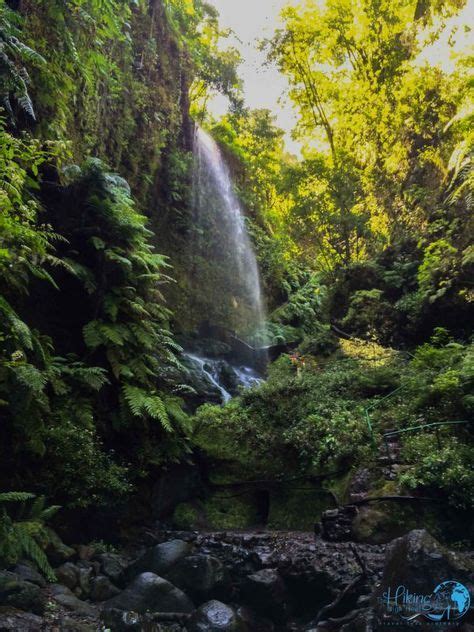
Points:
(293, 574)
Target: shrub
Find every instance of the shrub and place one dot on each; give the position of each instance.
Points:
(445, 471)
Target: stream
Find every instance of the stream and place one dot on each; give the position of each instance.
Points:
(224, 377)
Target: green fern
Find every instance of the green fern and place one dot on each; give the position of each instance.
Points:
(30, 377)
(461, 185)
(14, 78)
(142, 403)
(19, 538)
(17, 497)
(20, 330)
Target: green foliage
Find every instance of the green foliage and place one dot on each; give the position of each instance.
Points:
(14, 77)
(445, 470)
(305, 305)
(369, 315)
(79, 471)
(436, 273)
(142, 403)
(369, 232)
(121, 277)
(300, 420)
(377, 127)
(21, 536)
(440, 381)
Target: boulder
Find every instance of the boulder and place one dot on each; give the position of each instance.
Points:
(215, 616)
(160, 558)
(102, 589)
(265, 592)
(26, 571)
(84, 584)
(59, 589)
(64, 597)
(112, 565)
(21, 594)
(201, 576)
(418, 562)
(379, 525)
(151, 592)
(68, 575)
(15, 620)
(85, 552)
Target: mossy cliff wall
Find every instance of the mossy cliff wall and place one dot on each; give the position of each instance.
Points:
(115, 86)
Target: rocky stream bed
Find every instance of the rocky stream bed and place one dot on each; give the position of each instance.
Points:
(255, 581)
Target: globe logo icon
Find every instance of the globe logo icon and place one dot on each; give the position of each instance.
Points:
(450, 600)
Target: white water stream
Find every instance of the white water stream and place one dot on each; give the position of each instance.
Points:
(211, 369)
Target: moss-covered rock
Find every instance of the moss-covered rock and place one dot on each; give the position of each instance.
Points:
(226, 511)
(186, 516)
(381, 524)
(292, 508)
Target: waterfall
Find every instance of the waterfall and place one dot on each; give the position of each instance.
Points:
(222, 244)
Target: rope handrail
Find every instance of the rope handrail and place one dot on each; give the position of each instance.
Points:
(392, 433)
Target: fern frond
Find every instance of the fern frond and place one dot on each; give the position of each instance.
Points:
(142, 403)
(32, 550)
(156, 408)
(31, 377)
(17, 497)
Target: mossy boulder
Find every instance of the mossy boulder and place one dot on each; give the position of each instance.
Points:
(382, 523)
(292, 508)
(231, 512)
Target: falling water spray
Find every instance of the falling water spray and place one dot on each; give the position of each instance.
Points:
(221, 234)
